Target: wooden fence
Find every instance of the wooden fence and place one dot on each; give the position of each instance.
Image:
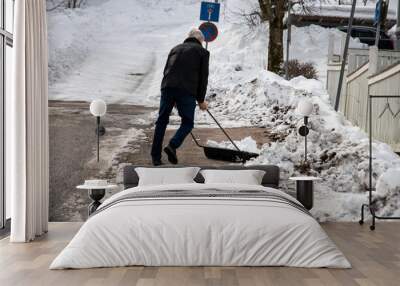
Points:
(386, 111)
(380, 76)
(357, 58)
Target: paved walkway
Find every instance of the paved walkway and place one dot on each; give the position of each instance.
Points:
(129, 132)
(191, 154)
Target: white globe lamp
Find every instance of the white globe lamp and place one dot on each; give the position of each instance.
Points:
(98, 108)
(305, 109)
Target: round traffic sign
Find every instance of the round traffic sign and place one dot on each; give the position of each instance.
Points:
(209, 30)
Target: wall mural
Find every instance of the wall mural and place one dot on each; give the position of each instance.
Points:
(116, 50)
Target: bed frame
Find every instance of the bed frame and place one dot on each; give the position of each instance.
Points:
(271, 177)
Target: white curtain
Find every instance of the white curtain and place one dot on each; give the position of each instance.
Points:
(27, 119)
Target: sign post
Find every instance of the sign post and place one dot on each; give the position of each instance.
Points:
(209, 12)
(210, 32)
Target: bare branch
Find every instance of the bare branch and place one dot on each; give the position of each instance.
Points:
(56, 6)
(251, 19)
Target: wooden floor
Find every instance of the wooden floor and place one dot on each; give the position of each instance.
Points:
(375, 257)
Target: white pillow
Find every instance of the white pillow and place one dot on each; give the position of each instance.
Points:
(166, 176)
(247, 177)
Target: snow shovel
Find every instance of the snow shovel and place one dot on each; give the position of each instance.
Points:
(222, 154)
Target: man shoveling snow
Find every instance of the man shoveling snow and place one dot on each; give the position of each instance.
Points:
(185, 82)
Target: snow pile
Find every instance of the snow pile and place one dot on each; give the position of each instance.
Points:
(337, 151)
(388, 197)
(240, 55)
(247, 144)
(389, 182)
(234, 60)
(243, 93)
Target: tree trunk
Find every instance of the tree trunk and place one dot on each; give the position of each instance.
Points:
(275, 48)
(73, 3)
(265, 7)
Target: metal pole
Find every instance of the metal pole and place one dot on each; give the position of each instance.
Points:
(370, 149)
(98, 138)
(3, 45)
(344, 59)
(289, 32)
(371, 208)
(398, 14)
(223, 130)
(305, 148)
(398, 26)
(378, 26)
(209, 20)
(305, 138)
(378, 34)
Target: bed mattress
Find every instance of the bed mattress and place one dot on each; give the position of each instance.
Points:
(201, 225)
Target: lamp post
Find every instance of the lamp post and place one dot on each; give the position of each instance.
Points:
(398, 27)
(98, 108)
(288, 40)
(345, 52)
(305, 108)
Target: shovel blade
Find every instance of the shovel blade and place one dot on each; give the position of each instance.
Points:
(228, 155)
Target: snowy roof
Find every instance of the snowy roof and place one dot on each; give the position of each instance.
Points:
(364, 12)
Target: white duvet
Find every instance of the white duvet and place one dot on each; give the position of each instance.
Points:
(200, 231)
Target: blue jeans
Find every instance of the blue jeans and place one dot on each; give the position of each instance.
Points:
(186, 105)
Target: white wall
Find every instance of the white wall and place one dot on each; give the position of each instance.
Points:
(9, 26)
(9, 9)
(8, 82)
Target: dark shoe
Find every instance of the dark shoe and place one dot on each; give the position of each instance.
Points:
(171, 152)
(157, 162)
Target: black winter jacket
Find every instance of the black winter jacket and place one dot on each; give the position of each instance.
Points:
(187, 69)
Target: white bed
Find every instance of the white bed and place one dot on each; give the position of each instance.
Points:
(201, 231)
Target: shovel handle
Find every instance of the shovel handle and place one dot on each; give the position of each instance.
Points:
(223, 130)
(195, 140)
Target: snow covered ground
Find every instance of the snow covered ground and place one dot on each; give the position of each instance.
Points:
(116, 50)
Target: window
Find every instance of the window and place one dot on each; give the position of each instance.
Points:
(6, 43)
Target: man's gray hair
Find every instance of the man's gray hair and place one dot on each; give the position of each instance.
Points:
(196, 33)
